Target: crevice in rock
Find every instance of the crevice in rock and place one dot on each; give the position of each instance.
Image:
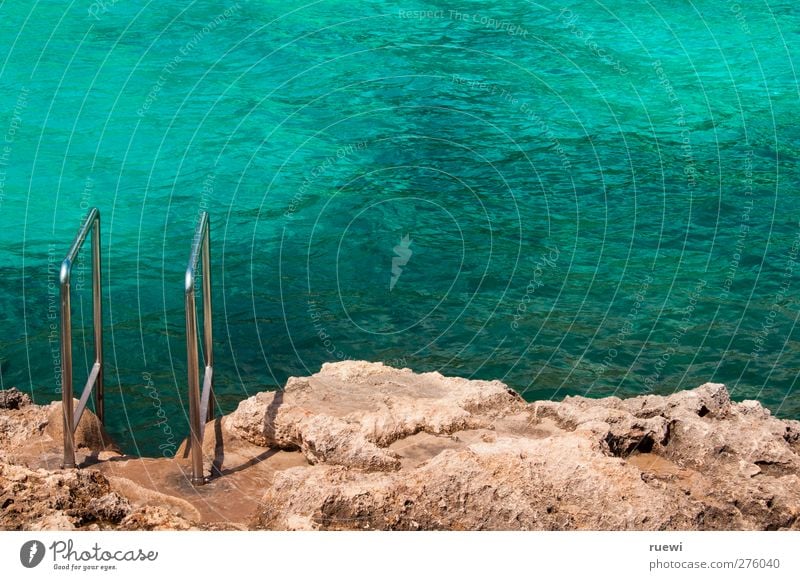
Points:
(620, 446)
(445, 430)
(668, 430)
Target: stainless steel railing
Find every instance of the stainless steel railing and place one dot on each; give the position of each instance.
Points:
(95, 381)
(201, 404)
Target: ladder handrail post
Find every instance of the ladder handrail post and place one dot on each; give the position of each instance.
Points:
(66, 366)
(194, 389)
(97, 319)
(201, 252)
(208, 337)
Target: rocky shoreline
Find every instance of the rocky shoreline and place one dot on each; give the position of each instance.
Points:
(365, 446)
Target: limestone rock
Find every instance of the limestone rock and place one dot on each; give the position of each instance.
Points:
(155, 518)
(36, 430)
(20, 425)
(13, 399)
(694, 460)
(349, 412)
(90, 433)
(73, 499)
(508, 484)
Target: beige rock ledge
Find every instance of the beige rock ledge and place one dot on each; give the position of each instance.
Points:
(364, 446)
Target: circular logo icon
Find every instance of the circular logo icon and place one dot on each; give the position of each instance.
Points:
(31, 553)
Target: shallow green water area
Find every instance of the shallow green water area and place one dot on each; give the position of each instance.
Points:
(581, 198)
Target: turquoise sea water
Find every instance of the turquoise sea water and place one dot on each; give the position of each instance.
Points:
(580, 198)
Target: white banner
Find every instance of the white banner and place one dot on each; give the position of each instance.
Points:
(408, 555)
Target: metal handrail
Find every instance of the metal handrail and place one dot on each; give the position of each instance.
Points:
(73, 417)
(201, 405)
